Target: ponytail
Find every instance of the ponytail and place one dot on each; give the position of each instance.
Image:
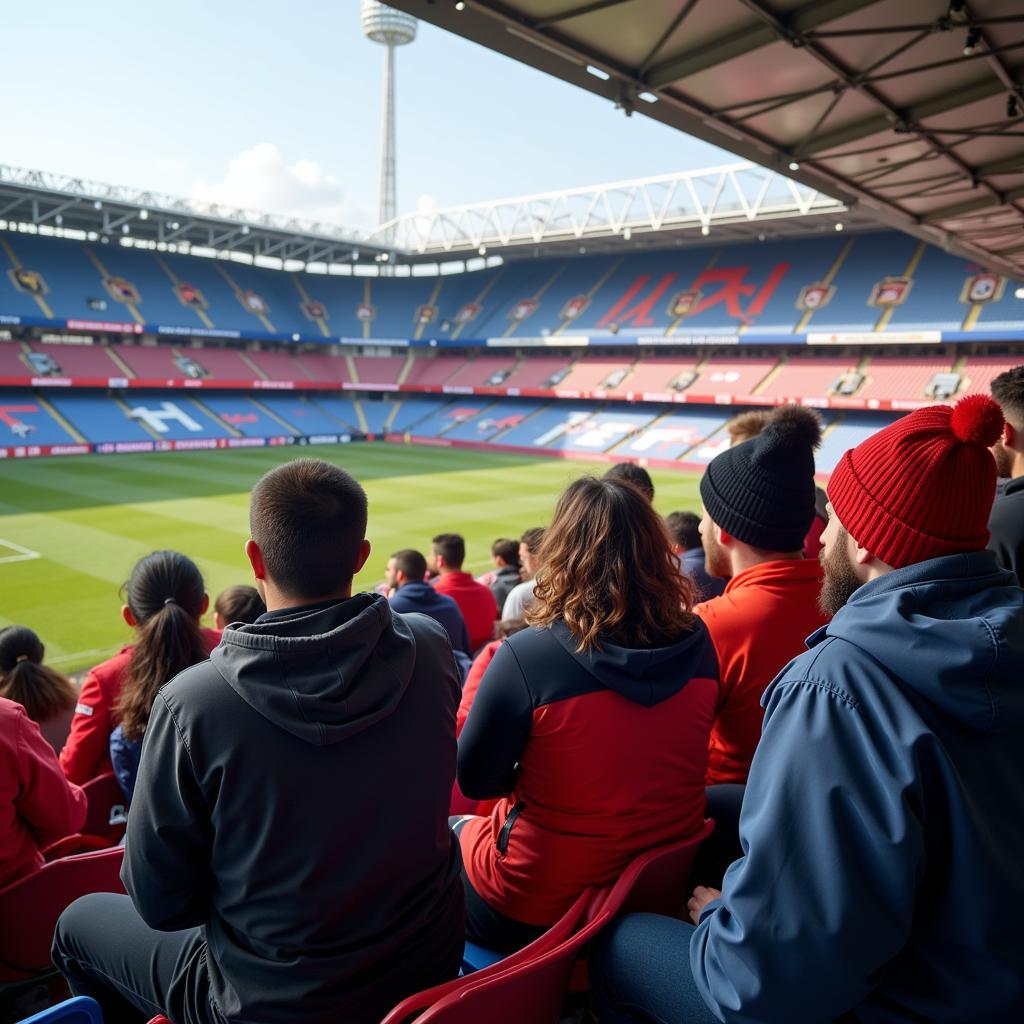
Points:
(165, 593)
(24, 678)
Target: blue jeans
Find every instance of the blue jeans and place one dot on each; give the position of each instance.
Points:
(640, 973)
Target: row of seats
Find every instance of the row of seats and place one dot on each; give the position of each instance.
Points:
(642, 431)
(826, 284)
(876, 376)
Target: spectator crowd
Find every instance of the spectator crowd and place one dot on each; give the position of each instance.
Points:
(330, 792)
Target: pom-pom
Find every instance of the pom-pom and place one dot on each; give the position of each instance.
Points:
(798, 422)
(977, 420)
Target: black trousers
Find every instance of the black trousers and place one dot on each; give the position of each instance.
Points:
(105, 950)
(486, 926)
(723, 846)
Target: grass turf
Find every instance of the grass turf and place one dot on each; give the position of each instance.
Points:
(89, 519)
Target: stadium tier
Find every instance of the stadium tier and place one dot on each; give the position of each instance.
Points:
(75, 422)
(806, 289)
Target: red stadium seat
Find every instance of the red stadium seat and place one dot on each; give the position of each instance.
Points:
(655, 882)
(106, 816)
(552, 938)
(69, 846)
(532, 991)
(34, 903)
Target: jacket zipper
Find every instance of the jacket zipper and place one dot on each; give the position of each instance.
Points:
(506, 829)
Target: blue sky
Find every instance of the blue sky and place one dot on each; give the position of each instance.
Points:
(277, 105)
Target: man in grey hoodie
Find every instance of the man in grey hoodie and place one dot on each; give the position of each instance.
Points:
(288, 856)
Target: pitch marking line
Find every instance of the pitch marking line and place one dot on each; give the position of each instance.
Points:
(20, 554)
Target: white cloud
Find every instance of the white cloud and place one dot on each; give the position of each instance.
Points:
(260, 179)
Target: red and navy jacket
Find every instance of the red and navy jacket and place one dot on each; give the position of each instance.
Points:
(596, 756)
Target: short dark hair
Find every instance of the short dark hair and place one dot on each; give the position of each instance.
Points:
(532, 539)
(1008, 391)
(410, 563)
(240, 603)
(683, 527)
(451, 547)
(309, 520)
(635, 475)
(507, 550)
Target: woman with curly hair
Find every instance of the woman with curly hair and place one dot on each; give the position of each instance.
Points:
(592, 725)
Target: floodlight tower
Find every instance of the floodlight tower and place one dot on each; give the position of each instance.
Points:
(383, 24)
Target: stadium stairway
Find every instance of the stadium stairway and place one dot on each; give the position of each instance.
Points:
(207, 411)
(65, 423)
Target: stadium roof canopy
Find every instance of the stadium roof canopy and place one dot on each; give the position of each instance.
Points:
(57, 201)
(911, 112)
(735, 202)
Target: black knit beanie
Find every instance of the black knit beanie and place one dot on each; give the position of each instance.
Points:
(762, 491)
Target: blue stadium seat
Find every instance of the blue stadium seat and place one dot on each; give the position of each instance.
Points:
(78, 1010)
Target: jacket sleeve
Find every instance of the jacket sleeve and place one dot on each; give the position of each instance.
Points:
(88, 742)
(49, 805)
(476, 672)
(823, 897)
(497, 729)
(167, 851)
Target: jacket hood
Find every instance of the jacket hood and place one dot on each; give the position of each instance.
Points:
(952, 630)
(646, 676)
(323, 673)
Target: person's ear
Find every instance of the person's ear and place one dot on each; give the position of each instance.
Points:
(206, 605)
(400, 577)
(722, 536)
(255, 556)
(218, 621)
(128, 616)
(1011, 436)
(364, 554)
(862, 556)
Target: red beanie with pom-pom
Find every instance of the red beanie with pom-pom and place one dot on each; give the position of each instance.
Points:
(923, 486)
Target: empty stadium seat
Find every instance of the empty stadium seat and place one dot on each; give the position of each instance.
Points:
(806, 377)
(38, 899)
(901, 377)
(981, 370)
(480, 371)
(739, 377)
(380, 371)
(77, 1010)
(107, 812)
(591, 373)
(433, 372)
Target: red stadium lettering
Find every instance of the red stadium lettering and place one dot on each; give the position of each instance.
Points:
(640, 314)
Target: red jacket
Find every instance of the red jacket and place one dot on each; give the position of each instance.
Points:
(87, 751)
(757, 625)
(475, 601)
(38, 805)
(472, 683)
(596, 757)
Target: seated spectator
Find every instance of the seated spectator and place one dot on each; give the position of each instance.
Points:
(1006, 524)
(592, 725)
(747, 426)
(240, 603)
(409, 592)
(684, 529)
(167, 598)
(475, 601)
(505, 554)
(635, 475)
(288, 855)
(758, 503)
(38, 805)
(520, 596)
(889, 782)
(506, 628)
(47, 697)
(87, 751)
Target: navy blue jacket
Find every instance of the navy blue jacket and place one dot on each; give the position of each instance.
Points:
(422, 597)
(882, 822)
(691, 562)
(124, 756)
(1006, 527)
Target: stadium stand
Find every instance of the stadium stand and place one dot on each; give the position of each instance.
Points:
(431, 371)
(657, 374)
(11, 362)
(901, 376)
(493, 421)
(149, 362)
(410, 412)
(733, 376)
(316, 366)
(671, 436)
(378, 371)
(592, 373)
(100, 419)
(343, 410)
(26, 418)
(305, 416)
(223, 363)
(805, 377)
(603, 430)
(246, 416)
(78, 360)
(483, 371)
(980, 370)
(538, 372)
(375, 415)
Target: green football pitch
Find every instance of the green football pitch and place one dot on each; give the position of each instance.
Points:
(71, 528)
